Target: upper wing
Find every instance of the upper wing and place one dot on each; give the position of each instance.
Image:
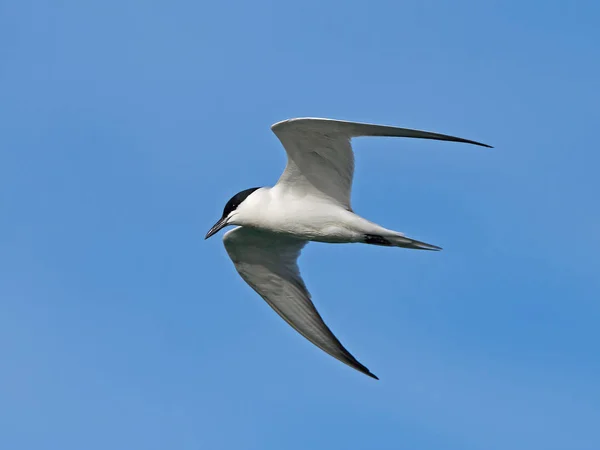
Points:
(268, 263)
(320, 158)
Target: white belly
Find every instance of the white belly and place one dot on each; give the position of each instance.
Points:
(317, 221)
(313, 219)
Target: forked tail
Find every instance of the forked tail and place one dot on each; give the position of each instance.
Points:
(398, 241)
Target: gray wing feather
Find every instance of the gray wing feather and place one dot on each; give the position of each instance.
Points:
(268, 263)
(320, 157)
(358, 129)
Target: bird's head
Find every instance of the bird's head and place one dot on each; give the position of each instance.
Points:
(231, 210)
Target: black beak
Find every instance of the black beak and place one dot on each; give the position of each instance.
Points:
(222, 223)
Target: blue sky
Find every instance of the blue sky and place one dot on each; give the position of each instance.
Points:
(126, 126)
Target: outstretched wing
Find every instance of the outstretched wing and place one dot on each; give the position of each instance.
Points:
(320, 158)
(268, 263)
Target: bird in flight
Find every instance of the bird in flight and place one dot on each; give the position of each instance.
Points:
(310, 202)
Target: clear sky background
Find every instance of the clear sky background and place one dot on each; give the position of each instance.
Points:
(126, 125)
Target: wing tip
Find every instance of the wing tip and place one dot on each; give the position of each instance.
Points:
(469, 141)
(372, 375)
(362, 369)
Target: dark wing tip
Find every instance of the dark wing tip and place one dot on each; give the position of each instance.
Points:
(372, 375)
(362, 369)
(481, 144)
(353, 362)
(431, 248)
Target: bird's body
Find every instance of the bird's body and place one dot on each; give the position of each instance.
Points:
(305, 217)
(310, 202)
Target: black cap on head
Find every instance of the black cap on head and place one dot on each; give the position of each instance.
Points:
(237, 200)
(231, 205)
